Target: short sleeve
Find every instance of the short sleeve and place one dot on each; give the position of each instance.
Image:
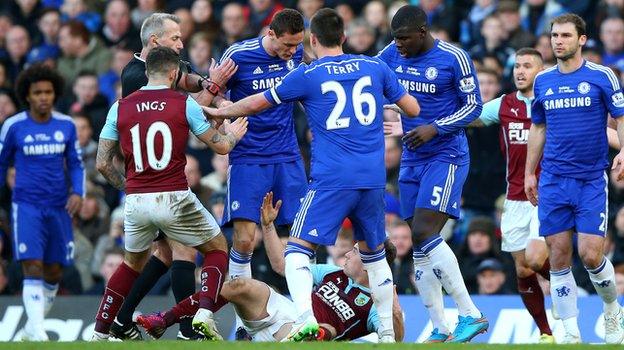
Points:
(538, 115)
(109, 131)
(393, 90)
(198, 124)
(489, 113)
(292, 88)
(372, 322)
(612, 93)
(319, 271)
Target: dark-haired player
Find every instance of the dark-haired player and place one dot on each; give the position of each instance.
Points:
(343, 97)
(151, 126)
(435, 161)
(341, 303)
(42, 144)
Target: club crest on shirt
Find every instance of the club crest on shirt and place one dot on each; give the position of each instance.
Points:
(290, 64)
(361, 299)
(58, 136)
(431, 73)
(467, 85)
(583, 87)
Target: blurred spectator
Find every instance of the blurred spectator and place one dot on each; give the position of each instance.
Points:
(5, 24)
(491, 278)
(83, 256)
(403, 267)
(392, 160)
(480, 244)
(88, 100)
(308, 8)
(489, 84)
(619, 283)
(592, 54)
(439, 15)
(77, 9)
(111, 261)
(4, 280)
(187, 26)
(5, 83)
(471, 26)
(88, 146)
(93, 220)
(203, 16)
(439, 33)
(49, 26)
(200, 52)
(375, 15)
(618, 240)
(259, 13)
(545, 49)
(216, 205)
(360, 38)
(217, 180)
(109, 80)
(392, 209)
(46, 55)
(143, 10)
(8, 105)
(612, 38)
(233, 25)
(536, 15)
(346, 12)
(609, 8)
(193, 177)
(17, 46)
(25, 13)
(509, 13)
(81, 52)
(118, 29)
(113, 240)
(493, 44)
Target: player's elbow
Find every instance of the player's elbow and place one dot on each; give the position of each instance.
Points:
(222, 149)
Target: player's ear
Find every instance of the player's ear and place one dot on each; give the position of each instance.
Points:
(582, 40)
(343, 38)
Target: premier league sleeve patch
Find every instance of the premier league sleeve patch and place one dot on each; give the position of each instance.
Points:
(618, 99)
(467, 85)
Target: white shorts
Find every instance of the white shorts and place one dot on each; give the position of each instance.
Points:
(519, 224)
(281, 310)
(179, 214)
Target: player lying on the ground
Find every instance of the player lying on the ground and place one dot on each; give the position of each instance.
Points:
(342, 302)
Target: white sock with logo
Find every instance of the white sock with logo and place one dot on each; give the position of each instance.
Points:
(33, 298)
(430, 291)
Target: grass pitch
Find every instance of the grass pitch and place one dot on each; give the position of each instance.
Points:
(178, 345)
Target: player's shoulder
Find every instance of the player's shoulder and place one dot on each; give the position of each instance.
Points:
(388, 51)
(453, 55)
(603, 74)
(241, 49)
(13, 122)
(63, 118)
(546, 73)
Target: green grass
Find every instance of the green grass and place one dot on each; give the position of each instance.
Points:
(177, 345)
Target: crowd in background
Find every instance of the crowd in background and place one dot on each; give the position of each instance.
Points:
(90, 41)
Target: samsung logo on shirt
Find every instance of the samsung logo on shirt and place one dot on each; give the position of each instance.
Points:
(568, 102)
(263, 84)
(418, 86)
(45, 149)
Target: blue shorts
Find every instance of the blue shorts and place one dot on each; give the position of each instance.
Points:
(323, 211)
(42, 233)
(248, 183)
(436, 185)
(566, 204)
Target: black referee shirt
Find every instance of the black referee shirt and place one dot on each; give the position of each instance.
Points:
(133, 76)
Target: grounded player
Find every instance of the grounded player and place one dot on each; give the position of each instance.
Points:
(341, 303)
(161, 29)
(43, 147)
(519, 223)
(435, 161)
(573, 183)
(268, 157)
(342, 95)
(151, 125)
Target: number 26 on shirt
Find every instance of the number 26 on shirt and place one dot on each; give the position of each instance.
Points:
(358, 98)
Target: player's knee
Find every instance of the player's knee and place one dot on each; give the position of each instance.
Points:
(32, 268)
(183, 253)
(163, 252)
(239, 286)
(52, 273)
(243, 242)
(535, 261)
(591, 258)
(523, 271)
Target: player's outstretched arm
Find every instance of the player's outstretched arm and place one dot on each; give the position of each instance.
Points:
(104, 163)
(535, 148)
(223, 143)
(613, 139)
(253, 104)
(273, 245)
(409, 106)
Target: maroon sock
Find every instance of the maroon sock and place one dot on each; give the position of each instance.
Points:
(117, 289)
(188, 308)
(533, 298)
(213, 273)
(545, 270)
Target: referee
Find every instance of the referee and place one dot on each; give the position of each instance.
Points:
(161, 29)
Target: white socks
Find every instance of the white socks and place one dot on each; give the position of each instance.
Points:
(49, 294)
(299, 277)
(382, 287)
(603, 279)
(430, 291)
(446, 268)
(240, 264)
(33, 298)
(563, 292)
